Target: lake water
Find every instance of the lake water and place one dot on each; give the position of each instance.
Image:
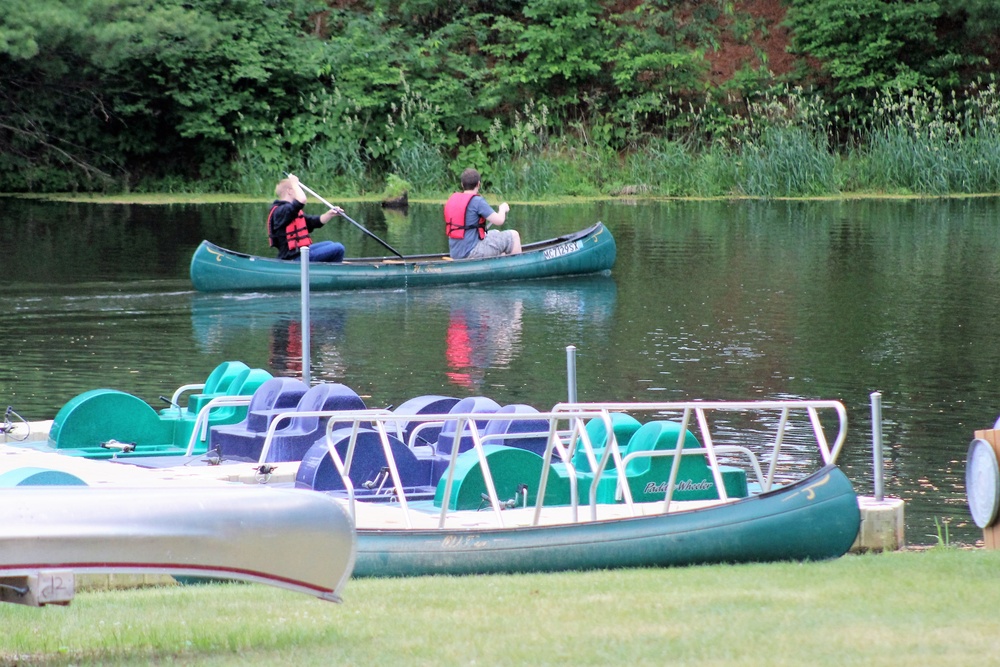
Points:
(708, 300)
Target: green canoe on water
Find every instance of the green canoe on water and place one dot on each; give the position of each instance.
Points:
(215, 269)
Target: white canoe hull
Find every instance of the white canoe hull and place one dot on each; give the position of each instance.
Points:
(294, 539)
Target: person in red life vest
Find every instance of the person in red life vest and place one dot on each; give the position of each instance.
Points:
(466, 215)
(288, 227)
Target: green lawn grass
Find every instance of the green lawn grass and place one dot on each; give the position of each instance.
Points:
(935, 607)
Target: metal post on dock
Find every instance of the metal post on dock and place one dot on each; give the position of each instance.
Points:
(304, 259)
(882, 519)
(877, 461)
(571, 372)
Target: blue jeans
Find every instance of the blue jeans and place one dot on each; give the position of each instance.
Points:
(326, 251)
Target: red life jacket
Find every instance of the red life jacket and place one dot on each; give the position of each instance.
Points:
(296, 232)
(454, 216)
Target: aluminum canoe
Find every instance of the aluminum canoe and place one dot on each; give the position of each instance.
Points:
(292, 539)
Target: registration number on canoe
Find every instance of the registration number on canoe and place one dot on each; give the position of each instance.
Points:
(463, 542)
(560, 250)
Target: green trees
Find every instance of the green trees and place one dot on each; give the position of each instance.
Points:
(226, 94)
(869, 46)
(104, 93)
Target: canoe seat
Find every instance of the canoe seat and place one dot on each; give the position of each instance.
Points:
(239, 440)
(368, 470)
(529, 434)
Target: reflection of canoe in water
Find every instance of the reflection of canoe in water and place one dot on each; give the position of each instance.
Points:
(570, 301)
(215, 269)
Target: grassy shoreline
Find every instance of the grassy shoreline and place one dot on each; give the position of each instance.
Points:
(164, 198)
(936, 606)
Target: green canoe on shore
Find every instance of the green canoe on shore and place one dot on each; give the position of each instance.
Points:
(814, 519)
(215, 269)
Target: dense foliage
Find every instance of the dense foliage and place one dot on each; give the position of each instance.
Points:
(568, 96)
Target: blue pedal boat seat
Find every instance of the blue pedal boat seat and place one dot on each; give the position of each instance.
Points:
(519, 429)
(292, 440)
(368, 470)
(242, 440)
(446, 439)
(430, 404)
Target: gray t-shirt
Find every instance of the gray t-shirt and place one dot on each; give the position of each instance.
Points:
(460, 248)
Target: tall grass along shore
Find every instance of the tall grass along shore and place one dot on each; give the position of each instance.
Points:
(786, 144)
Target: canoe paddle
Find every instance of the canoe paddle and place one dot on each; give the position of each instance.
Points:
(345, 217)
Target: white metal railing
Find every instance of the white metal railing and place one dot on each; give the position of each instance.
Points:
(700, 408)
(282, 420)
(567, 433)
(175, 399)
(200, 429)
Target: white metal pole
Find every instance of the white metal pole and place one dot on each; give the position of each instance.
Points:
(304, 259)
(571, 372)
(877, 461)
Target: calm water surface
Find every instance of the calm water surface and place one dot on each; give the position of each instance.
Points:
(708, 300)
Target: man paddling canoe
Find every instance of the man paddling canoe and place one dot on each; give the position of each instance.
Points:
(466, 217)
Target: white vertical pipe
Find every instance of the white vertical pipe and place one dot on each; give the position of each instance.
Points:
(877, 460)
(304, 259)
(571, 372)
